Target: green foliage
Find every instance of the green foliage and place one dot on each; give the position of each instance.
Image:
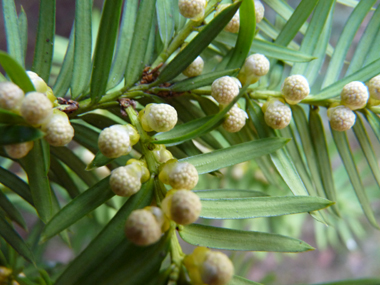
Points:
(38, 180)
(19, 134)
(132, 55)
(104, 48)
(43, 53)
(222, 238)
(107, 241)
(15, 72)
(224, 208)
(82, 48)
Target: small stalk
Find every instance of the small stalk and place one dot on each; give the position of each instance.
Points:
(107, 101)
(375, 109)
(146, 146)
(176, 253)
(266, 94)
(182, 35)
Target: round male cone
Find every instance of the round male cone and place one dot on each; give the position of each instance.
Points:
(158, 117)
(341, 118)
(126, 180)
(255, 66)
(183, 207)
(11, 96)
(142, 228)
(354, 95)
(217, 269)
(278, 115)
(114, 141)
(224, 90)
(17, 151)
(295, 89)
(179, 175)
(58, 129)
(36, 108)
(374, 87)
(259, 11)
(195, 68)
(235, 120)
(192, 9)
(233, 25)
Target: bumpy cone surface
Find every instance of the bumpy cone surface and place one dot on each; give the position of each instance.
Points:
(114, 141)
(58, 129)
(259, 11)
(39, 84)
(255, 66)
(278, 115)
(217, 269)
(233, 25)
(224, 90)
(374, 87)
(235, 120)
(295, 89)
(179, 175)
(142, 228)
(195, 68)
(192, 9)
(159, 117)
(11, 96)
(183, 207)
(354, 95)
(36, 108)
(125, 180)
(341, 118)
(19, 150)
